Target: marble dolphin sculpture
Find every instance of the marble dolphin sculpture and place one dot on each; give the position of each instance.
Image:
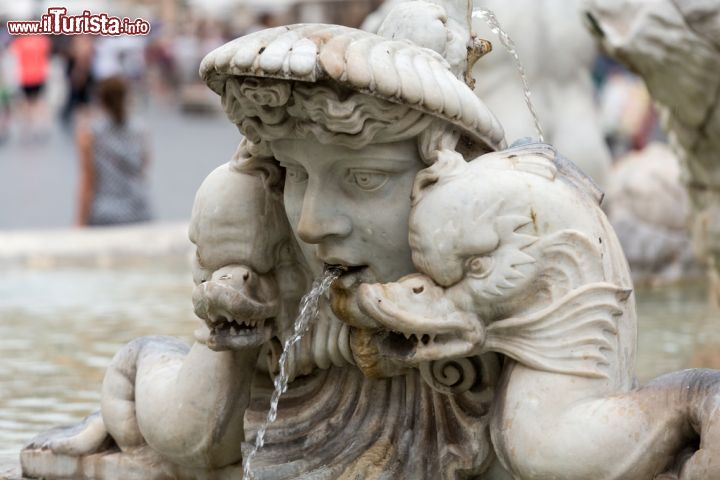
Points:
(519, 260)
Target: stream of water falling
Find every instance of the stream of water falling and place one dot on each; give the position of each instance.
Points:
(505, 39)
(308, 311)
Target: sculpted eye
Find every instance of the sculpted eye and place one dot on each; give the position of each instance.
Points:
(479, 266)
(368, 180)
(295, 174)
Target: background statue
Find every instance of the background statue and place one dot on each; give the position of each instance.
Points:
(557, 54)
(649, 209)
(657, 40)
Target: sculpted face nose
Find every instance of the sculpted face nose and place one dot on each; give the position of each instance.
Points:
(320, 219)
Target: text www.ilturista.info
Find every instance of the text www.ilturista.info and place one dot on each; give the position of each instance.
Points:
(57, 22)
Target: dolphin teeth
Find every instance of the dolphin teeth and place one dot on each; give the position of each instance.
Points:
(407, 335)
(233, 331)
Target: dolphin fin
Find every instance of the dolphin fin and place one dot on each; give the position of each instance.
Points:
(575, 335)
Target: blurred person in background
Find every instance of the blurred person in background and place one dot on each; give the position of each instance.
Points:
(133, 64)
(32, 54)
(6, 82)
(195, 39)
(627, 113)
(162, 63)
(210, 35)
(187, 53)
(262, 21)
(108, 59)
(79, 75)
(114, 160)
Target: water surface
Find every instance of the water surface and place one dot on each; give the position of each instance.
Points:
(59, 329)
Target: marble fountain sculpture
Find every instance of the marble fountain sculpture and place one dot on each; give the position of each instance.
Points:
(480, 322)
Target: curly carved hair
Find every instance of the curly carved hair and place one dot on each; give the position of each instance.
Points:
(267, 109)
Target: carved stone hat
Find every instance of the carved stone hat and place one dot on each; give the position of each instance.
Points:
(395, 70)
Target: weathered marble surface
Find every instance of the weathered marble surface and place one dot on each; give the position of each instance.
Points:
(675, 47)
(536, 273)
(484, 326)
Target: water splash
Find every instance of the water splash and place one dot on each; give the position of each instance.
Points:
(309, 308)
(505, 39)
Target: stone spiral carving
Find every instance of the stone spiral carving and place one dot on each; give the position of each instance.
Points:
(454, 375)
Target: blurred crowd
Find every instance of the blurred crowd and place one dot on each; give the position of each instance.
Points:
(95, 90)
(51, 80)
(40, 72)
(165, 66)
(628, 118)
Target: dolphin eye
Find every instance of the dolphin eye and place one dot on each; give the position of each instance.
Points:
(368, 180)
(479, 266)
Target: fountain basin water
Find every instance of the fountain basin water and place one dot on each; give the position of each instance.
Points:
(59, 328)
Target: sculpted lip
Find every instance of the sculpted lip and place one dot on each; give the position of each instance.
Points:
(351, 273)
(354, 276)
(338, 263)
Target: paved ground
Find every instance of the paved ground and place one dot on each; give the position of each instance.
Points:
(38, 179)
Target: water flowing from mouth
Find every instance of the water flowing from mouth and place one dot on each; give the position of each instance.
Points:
(308, 311)
(505, 39)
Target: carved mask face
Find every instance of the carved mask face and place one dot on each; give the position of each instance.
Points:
(350, 207)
